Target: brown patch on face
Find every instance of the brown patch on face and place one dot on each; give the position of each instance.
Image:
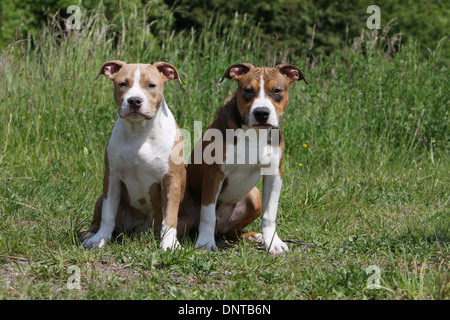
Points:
(276, 89)
(152, 79)
(151, 84)
(123, 81)
(248, 90)
(142, 201)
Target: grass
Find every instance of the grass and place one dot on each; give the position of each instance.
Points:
(366, 167)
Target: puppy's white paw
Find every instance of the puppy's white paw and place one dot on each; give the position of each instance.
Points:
(169, 238)
(96, 241)
(278, 248)
(275, 245)
(171, 244)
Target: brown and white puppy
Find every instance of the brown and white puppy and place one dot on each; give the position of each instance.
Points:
(145, 176)
(224, 199)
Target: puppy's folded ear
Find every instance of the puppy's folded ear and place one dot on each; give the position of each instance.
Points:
(236, 71)
(110, 68)
(291, 72)
(168, 71)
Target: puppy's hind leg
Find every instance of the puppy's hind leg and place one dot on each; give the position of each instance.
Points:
(232, 222)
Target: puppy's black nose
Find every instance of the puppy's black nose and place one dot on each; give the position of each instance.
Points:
(261, 114)
(135, 102)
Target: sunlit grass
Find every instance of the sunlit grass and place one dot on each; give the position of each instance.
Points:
(365, 169)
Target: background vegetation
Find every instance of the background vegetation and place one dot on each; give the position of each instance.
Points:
(366, 165)
(319, 27)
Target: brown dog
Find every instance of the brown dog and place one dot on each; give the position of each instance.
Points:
(247, 144)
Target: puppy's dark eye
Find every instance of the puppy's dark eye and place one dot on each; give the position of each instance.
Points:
(277, 91)
(249, 91)
(123, 84)
(151, 85)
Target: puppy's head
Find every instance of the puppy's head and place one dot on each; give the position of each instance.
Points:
(262, 94)
(138, 88)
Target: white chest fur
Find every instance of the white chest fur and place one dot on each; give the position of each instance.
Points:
(139, 154)
(246, 160)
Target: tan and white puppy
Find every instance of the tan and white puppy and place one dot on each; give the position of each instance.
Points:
(145, 176)
(223, 196)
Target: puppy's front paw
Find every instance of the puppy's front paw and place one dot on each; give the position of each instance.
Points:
(275, 245)
(169, 238)
(87, 236)
(278, 247)
(171, 244)
(206, 244)
(96, 241)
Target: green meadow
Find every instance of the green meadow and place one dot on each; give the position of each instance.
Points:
(366, 168)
